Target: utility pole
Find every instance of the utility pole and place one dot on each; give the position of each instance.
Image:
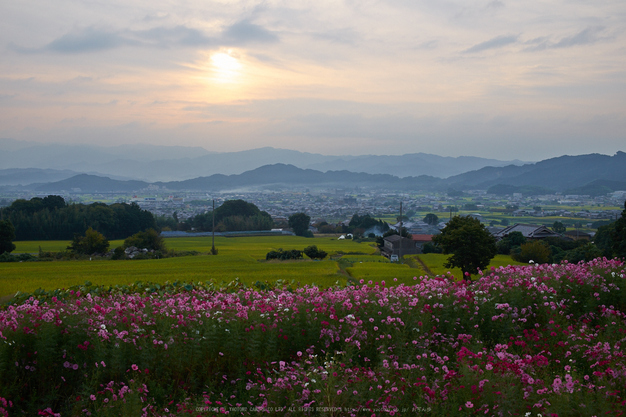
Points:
(213, 230)
(400, 241)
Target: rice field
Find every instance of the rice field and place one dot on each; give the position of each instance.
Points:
(435, 261)
(241, 258)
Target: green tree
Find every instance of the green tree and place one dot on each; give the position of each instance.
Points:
(299, 222)
(149, 239)
(585, 253)
(604, 240)
(512, 240)
(92, 242)
(558, 227)
(618, 236)
(7, 236)
(536, 251)
(470, 243)
(431, 219)
(314, 253)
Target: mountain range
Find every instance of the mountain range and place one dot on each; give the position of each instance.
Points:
(57, 168)
(592, 174)
(177, 163)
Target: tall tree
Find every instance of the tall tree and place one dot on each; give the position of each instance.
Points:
(470, 243)
(558, 227)
(431, 219)
(604, 239)
(299, 222)
(618, 236)
(7, 236)
(92, 242)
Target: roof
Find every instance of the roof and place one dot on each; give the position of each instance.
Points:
(577, 233)
(530, 231)
(393, 238)
(422, 238)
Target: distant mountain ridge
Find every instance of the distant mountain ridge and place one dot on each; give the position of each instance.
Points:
(178, 163)
(587, 173)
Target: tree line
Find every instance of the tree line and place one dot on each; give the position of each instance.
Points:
(231, 216)
(51, 218)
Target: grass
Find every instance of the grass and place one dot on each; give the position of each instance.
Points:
(435, 261)
(29, 276)
(387, 272)
(241, 257)
(32, 246)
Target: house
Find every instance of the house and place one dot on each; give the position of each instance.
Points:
(529, 231)
(420, 240)
(399, 246)
(577, 235)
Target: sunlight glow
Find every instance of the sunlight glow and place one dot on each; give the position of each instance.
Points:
(225, 67)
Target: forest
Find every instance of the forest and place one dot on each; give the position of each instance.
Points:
(51, 218)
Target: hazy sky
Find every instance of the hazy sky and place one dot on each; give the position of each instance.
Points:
(526, 79)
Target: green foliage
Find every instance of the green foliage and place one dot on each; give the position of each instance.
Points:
(284, 255)
(536, 251)
(603, 239)
(149, 239)
(299, 222)
(366, 222)
(585, 253)
(469, 242)
(431, 219)
(431, 248)
(118, 253)
(314, 253)
(509, 242)
(618, 236)
(51, 219)
(92, 242)
(7, 236)
(232, 216)
(22, 257)
(558, 227)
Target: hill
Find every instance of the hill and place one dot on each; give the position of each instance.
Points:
(585, 174)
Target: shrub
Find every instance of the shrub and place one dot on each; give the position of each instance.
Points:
(314, 253)
(535, 251)
(282, 255)
(118, 253)
(23, 257)
(92, 242)
(149, 239)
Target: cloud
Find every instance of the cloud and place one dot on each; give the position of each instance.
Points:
(92, 39)
(245, 32)
(85, 40)
(164, 37)
(497, 42)
(495, 4)
(587, 36)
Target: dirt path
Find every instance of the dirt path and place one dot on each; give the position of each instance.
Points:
(423, 266)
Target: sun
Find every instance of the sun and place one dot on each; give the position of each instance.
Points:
(225, 67)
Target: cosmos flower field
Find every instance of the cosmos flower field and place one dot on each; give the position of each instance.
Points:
(536, 340)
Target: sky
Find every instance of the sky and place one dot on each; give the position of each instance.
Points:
(501, 79)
